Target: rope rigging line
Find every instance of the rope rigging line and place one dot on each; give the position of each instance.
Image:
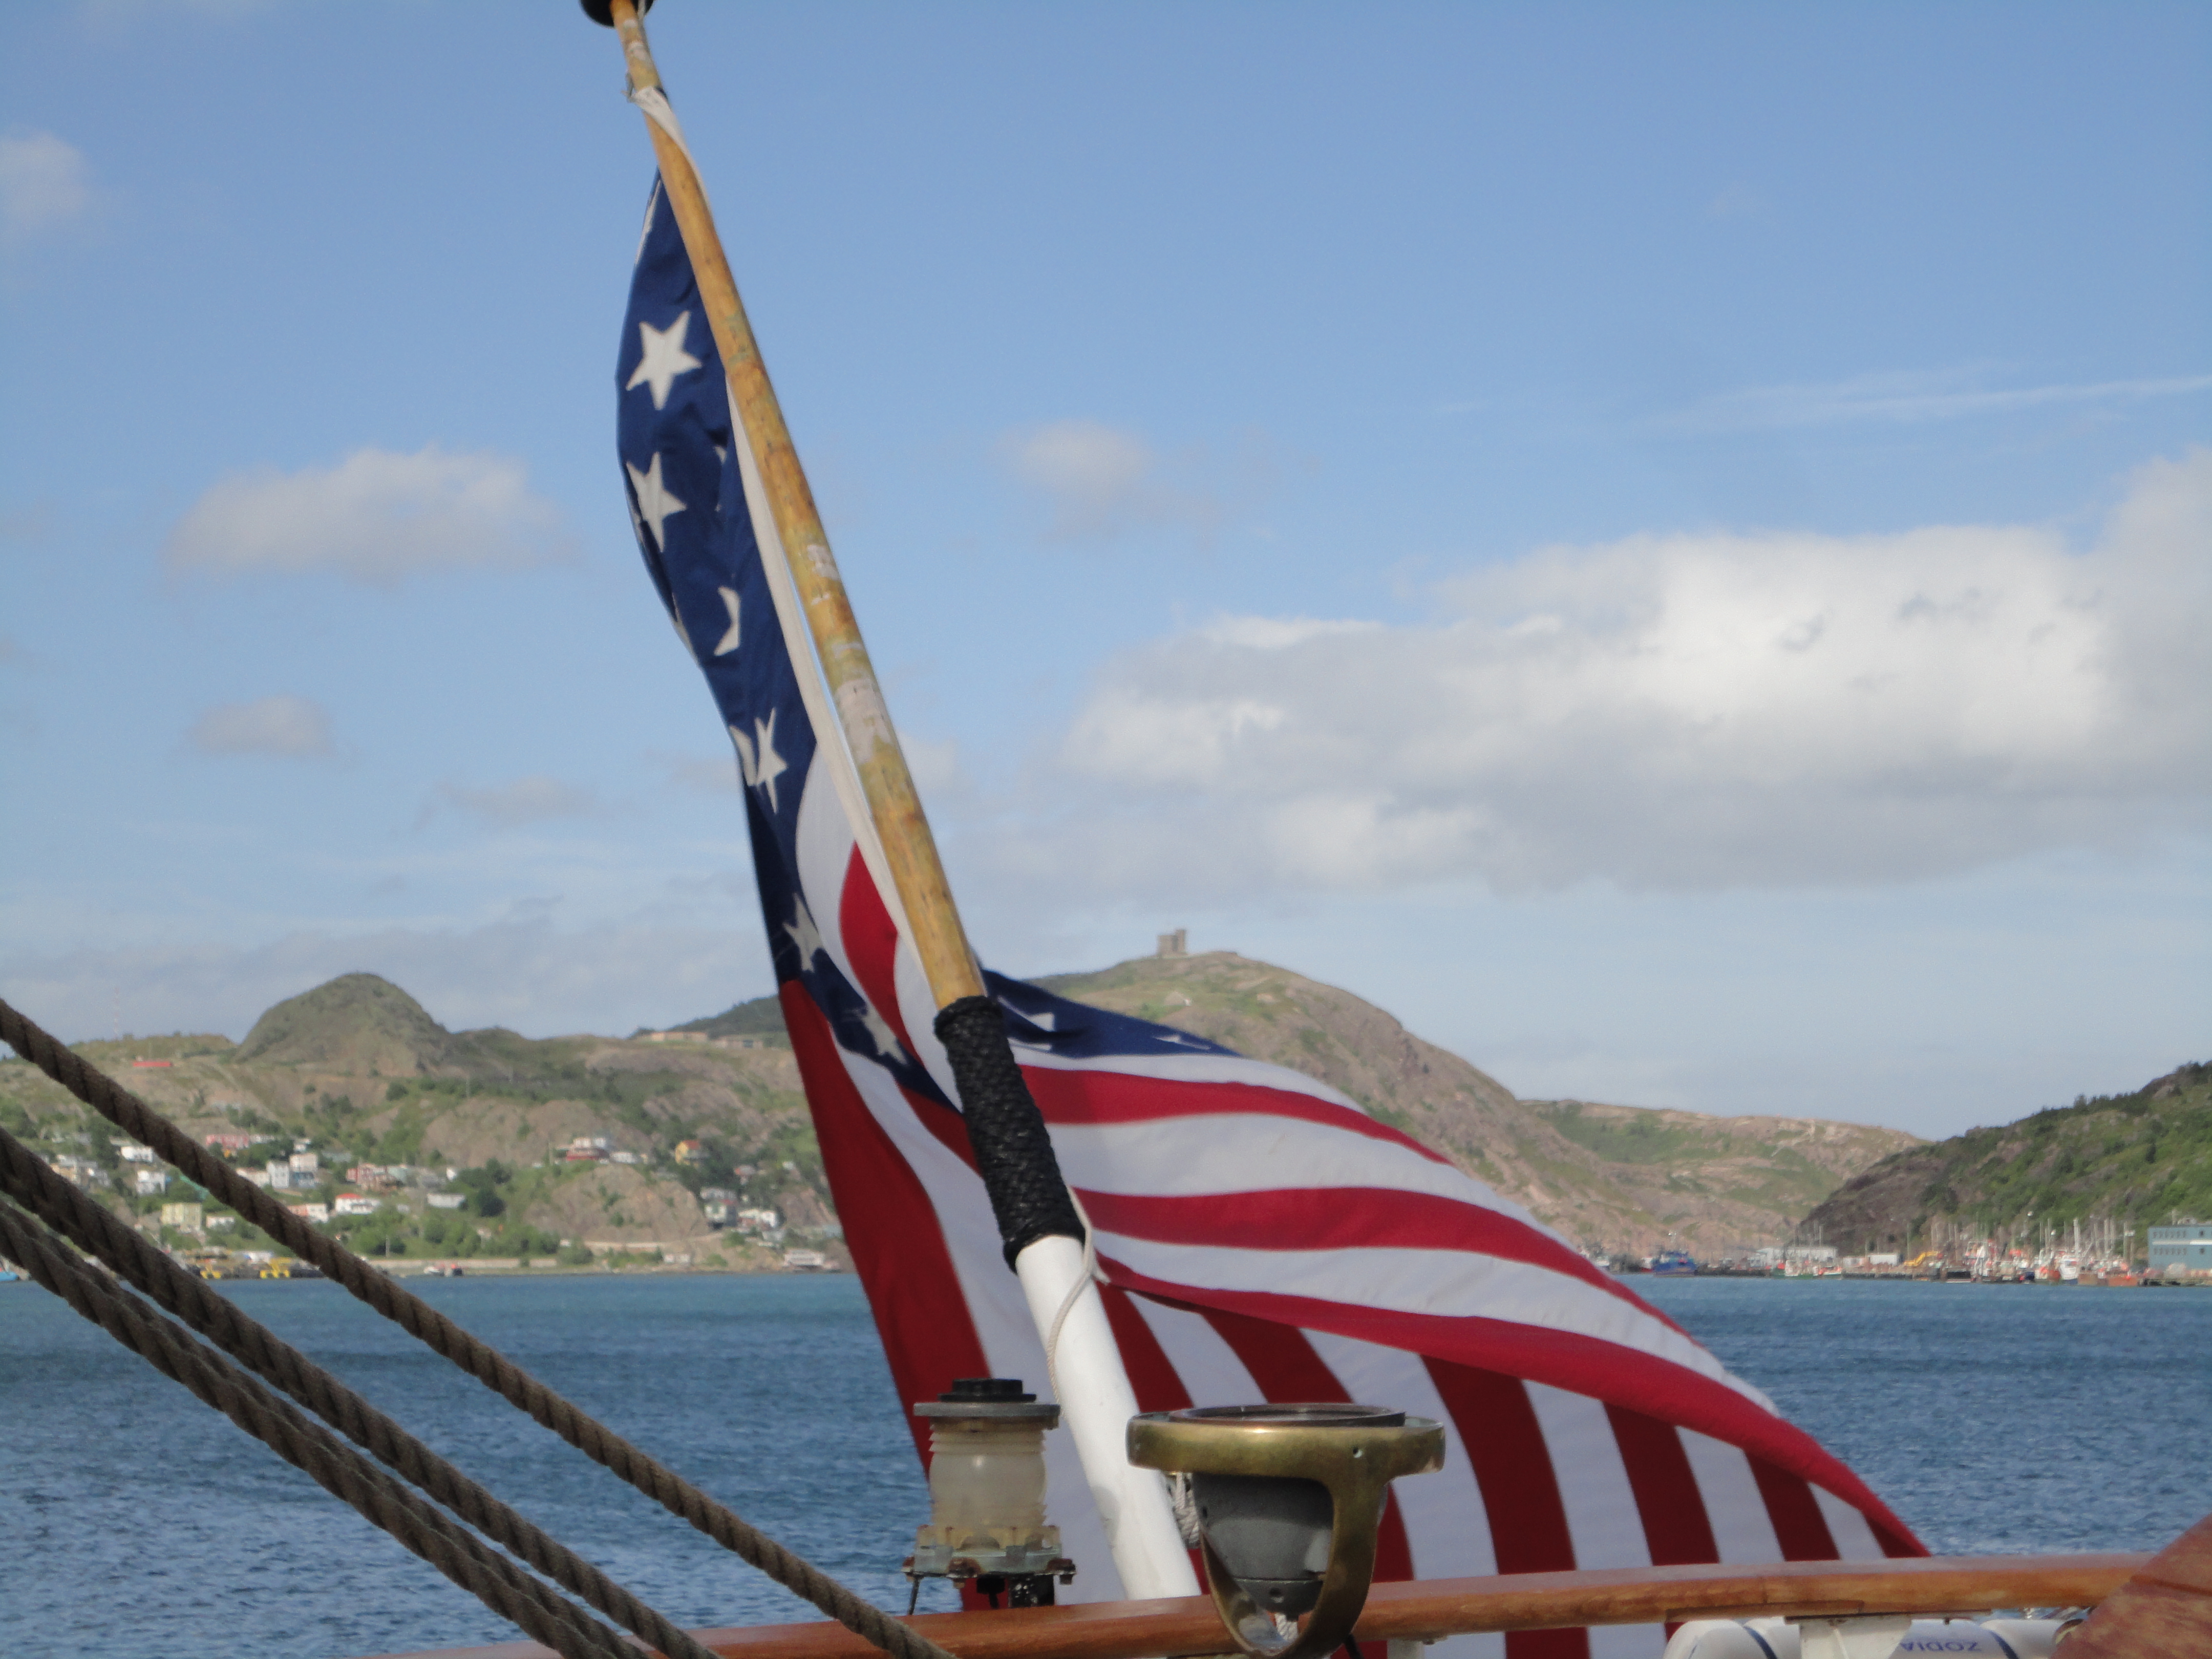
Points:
(308, 1446)
(91, 1227)
(481, 1361)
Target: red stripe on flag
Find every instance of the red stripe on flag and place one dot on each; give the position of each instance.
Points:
(1605, 1370)
(1343, 1217)
(1547, 1644)
(1152, 1376)
(1893, 1540)
(870, 943)
(946, 1125)
(1799, 1526)
(1676, 1528)
(1286, 1368)
(890, 1227)
(1512, 1466)
(1109, 1097)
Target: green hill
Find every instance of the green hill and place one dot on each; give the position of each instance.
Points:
(2141, 1160)
(356, 1022)
(762, 1017)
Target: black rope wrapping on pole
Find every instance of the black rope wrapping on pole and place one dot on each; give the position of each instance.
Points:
(31, 1182)
(481, 1360)
(308, 1445)
(1013, 1150)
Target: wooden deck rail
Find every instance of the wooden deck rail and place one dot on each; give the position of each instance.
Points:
(1930, 1585)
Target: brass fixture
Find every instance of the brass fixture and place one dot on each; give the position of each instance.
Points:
(1289, 1499)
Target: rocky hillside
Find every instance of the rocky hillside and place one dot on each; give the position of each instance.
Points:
(2141, 1159)
(360, 1074)
(1623, 1177)
(1627, 1178)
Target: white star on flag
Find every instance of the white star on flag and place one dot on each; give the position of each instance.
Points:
(654, 504)
(803, 933)
(761, 766)
(665, 358)
(879, 1030)
(729, 639)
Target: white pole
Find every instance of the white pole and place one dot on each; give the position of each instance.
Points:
(1095, 1404)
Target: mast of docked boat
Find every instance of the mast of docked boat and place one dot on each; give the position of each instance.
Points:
(1093, 1389)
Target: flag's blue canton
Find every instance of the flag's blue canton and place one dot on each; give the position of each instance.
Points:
(677, 443)
(1037, 1019)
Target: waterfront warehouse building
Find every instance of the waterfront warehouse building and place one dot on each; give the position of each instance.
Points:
(2188, 1247)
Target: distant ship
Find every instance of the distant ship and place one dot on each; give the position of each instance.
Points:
(1675, 1262)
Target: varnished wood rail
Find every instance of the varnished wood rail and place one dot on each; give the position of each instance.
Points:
(1443, 1606)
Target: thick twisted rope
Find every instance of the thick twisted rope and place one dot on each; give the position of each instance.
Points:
(481, 1361)
(27, 1180)
(308, 1445)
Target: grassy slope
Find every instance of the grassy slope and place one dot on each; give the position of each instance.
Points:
(2143, 1158)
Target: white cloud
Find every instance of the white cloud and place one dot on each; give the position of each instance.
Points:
(1691, 711)
(1102, 482)
(524, 800)
(1910, 397)
(1275, 633)
(44, 181)
(715, 775)
(294, 727)
(375, 517)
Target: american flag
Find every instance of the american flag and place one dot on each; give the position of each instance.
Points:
(1261, 1236)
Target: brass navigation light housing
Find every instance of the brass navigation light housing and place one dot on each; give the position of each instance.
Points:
(1289, 1500)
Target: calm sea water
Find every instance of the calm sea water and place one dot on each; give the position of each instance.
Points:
(135, 1524)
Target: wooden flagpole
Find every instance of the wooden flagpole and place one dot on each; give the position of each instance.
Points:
(1030, 1200)
(932, 920)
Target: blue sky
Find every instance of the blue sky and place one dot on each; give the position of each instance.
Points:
(1668, 547)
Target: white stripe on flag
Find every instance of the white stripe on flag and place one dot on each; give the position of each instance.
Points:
(1627, 1641)
(1743, 1532)
(1602, 1519)
(1207, 1367)
(1847, 1525)
(1213, 1153)
(825, 843)
(1438, 1283)
(1196, 1066)
(1208, 1153)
